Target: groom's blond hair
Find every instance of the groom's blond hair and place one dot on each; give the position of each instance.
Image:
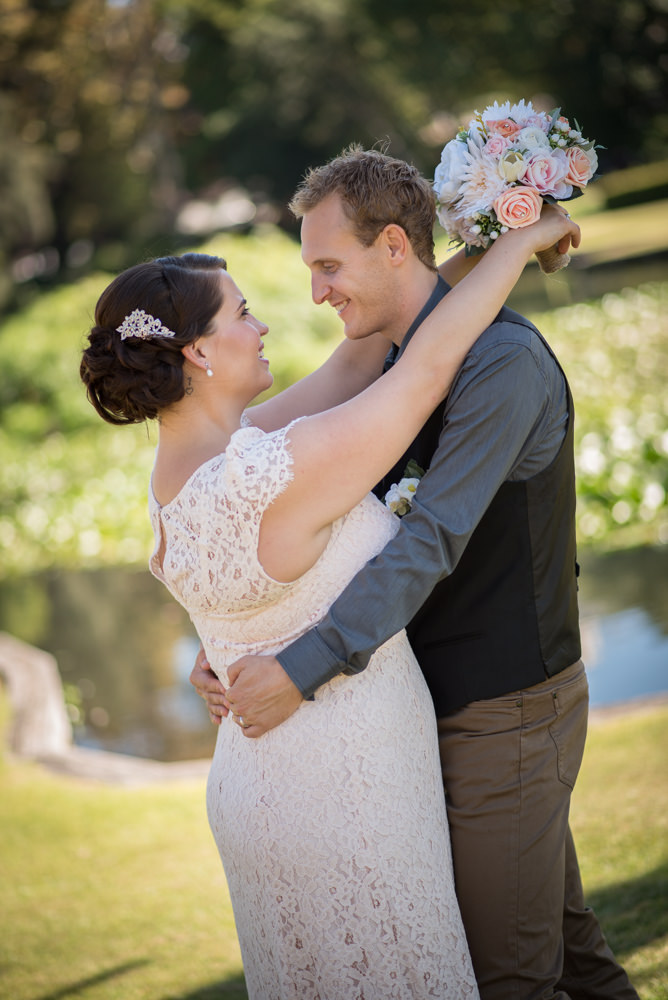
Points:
(376, 190)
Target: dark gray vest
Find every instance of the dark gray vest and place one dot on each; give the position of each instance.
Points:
(507, 616)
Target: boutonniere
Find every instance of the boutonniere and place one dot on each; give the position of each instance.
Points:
(399, 497)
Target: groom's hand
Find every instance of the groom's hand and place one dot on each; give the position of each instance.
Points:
(261, 693)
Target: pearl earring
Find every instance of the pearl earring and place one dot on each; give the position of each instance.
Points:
(208, 370)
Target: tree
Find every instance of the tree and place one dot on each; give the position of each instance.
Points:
(83, 89)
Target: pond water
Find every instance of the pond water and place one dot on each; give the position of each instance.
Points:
(125, 649)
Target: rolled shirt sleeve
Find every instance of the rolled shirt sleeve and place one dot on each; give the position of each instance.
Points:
(500, 422)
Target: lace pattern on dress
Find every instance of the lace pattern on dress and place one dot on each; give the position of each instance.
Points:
(211, 528)
(332, 826)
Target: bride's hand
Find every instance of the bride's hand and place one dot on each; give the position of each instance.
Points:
(554, 228)
(209, 688)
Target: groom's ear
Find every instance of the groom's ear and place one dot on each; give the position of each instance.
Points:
(396, 243)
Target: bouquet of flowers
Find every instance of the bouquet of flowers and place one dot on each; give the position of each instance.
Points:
(496, 173)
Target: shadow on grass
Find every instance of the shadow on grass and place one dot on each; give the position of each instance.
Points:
(634, 913)
(230, 989)
(84, 984)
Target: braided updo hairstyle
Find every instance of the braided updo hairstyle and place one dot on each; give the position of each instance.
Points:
(132, 380)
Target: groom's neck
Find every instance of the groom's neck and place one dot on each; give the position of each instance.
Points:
(422, 284)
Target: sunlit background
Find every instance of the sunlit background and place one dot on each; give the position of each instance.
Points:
(130, 129)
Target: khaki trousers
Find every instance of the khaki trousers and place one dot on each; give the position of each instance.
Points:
(509, 765)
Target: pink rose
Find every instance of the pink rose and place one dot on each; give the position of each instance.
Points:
(538, 120)
(497, 144)
(518, 207)
(546, 170)
(582, 165)
(503, 126)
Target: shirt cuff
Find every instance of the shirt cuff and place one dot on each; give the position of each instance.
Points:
(309, 663)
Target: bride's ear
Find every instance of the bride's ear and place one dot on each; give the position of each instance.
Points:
(194, 355)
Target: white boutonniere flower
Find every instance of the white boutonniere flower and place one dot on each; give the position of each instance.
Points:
(399, 497)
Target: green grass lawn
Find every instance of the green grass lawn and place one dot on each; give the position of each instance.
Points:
(117, 894)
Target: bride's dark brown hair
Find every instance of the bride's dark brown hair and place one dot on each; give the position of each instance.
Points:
(132, 380)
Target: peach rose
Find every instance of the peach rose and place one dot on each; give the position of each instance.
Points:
(503, 126)
(518, 207)
(582, 165)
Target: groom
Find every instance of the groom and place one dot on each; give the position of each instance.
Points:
(483, 574)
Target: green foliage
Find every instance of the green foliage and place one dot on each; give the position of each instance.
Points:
(73, 489)
(84, 87)
(615, 353)
(115, 114)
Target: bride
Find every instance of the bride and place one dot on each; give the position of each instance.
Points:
(332, 827)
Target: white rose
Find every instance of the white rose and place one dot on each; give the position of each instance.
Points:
(448, 175)
(530, 137)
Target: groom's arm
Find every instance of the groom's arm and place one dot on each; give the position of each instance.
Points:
(495, 404)
(498, 403)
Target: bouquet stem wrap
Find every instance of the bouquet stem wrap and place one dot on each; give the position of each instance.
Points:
(551, 260)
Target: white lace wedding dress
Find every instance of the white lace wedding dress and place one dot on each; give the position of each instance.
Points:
(331, 827)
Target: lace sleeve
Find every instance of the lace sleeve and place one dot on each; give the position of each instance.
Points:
(258, 468)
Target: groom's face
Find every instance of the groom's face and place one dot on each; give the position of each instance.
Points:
(355, 280)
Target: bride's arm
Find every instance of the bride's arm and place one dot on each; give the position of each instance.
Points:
(351, 368)
(340, 454)
(456, 267)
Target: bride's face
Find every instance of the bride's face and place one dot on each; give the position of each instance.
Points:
(235, 348)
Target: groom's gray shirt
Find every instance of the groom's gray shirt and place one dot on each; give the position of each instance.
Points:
(504, 420)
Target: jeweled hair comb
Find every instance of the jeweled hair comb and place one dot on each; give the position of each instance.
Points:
(142, 325)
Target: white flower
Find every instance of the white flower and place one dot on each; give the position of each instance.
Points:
(449, 221)
(530, 137)
(399, 497)
(511, 166)
(471, 231)
(448, 174)
(482, 184)
(519, 112)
